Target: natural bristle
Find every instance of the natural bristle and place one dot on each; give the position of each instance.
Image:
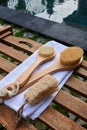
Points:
(46, 51)
(71, 55)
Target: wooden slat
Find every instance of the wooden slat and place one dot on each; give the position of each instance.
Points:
(77, 85)
(25, 126)
(5, 34)
(58, 121)
(22, 43)
(5, 29)
(8, 116)
(6, 65)
(84, 64)
(12, 53)
(73, 104)
(82, 72)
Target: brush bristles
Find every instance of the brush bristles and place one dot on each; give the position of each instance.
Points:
(71, 55)
(46, 51)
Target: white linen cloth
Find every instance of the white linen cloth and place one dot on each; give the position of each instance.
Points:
(16, 102)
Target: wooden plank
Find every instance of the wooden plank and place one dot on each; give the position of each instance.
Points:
(8, 120)
(84, 64)
(73, 104)
(5, 29)
(5, 34)
(22, 43)
(77, 85)
(9, 51)
(81, 72)
(23, 125)
(6, 65)
(58, 121)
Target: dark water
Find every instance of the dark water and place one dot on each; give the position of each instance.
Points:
(61, 11)
(54, 10)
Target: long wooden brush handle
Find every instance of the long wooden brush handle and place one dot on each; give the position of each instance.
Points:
(24, 77)
(56, 67)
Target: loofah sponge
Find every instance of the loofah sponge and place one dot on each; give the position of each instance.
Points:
(42, 89)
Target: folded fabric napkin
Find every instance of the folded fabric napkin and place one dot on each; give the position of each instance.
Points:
(16, 102)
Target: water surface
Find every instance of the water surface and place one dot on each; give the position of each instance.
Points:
(54, 10)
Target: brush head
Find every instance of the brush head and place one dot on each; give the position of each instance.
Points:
(71, 55)
(46, 51)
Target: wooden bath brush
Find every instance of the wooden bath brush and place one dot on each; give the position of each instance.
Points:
(69, 59)
(45, 53)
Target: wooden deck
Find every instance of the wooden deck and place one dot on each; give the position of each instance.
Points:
(52, 117)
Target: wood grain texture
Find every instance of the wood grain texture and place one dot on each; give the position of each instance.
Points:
(82, 72)
(84, 64)
(6, 65)
(22, 43)
(5, 34)
(9, 51)
(58, 121)
(5, 29)
(7, 118)
(77, 85)
(72, 104)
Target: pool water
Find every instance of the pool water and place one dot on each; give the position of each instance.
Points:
(60, 9)
(54, 10)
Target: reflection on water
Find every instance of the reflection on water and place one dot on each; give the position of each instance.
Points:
(58, 10)
(54, 10)
(67, 11)
(79, 17)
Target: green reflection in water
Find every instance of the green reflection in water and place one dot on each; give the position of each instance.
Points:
(72, 12)
(79, 17)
